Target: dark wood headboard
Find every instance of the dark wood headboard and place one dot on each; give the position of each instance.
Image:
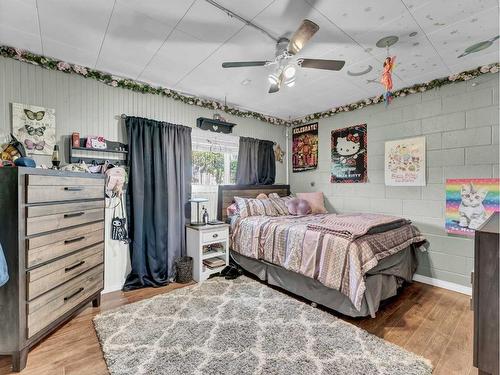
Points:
(227, 193)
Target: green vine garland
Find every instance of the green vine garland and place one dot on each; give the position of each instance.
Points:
(110, 80)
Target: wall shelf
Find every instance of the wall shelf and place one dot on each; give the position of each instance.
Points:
(92, 155)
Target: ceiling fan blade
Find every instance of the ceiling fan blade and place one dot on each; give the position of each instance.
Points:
(240, 64)
(305, 32)
(321, 64)
(274, 88)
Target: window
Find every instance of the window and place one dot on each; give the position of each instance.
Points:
(215, 158)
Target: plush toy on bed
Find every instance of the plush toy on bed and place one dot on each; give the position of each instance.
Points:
(298, 206)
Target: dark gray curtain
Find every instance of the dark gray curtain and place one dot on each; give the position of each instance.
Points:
(256, 162)
(266, 166)
(248, 159)
(158, 189)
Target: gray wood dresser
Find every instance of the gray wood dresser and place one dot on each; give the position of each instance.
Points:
(52, 234)
(486, 297)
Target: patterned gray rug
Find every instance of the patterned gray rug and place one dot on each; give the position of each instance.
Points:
(242, 327)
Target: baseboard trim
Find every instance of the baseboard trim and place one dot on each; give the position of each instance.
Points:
(443, 284)
(112, 288)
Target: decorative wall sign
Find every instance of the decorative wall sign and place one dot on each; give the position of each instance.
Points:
(305, 147)
(405, 162)
(469, 202)
(34, 127)
(349, 154)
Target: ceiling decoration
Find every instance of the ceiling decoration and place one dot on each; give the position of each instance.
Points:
(418, 88)
(130, 84)
(180, 44)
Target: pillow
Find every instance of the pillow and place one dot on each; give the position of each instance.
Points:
(261, 196)
(315, 200)
(232, 210)
(298, 206)
(280, 203)
(255, 207)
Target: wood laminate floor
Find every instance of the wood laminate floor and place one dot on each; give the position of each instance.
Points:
(432, 322)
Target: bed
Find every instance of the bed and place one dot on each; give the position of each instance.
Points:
(351, 276)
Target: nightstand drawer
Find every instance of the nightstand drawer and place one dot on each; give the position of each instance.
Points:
(215, 235)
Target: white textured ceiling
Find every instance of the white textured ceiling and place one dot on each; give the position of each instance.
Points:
(181, 44)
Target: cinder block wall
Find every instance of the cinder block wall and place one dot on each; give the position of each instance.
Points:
(461, 126)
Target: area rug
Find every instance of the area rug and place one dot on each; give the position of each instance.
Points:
(242, 327)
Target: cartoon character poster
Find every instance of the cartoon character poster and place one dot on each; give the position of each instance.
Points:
(34, 127)
(305, 147)
(469, 202)
(405, 162)
(349, 154)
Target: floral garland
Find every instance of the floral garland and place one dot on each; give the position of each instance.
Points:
(114, 81)
(419, 87)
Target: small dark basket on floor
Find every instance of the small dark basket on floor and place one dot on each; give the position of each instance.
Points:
(184, 269)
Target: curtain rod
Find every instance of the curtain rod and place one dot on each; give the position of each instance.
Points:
(123, 116)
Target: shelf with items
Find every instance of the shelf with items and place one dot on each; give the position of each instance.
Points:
(93, 154)
(213, 250)
(206, 245)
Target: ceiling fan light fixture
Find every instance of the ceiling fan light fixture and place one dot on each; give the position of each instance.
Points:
(273, 79)
(290, 82)
(289, 71)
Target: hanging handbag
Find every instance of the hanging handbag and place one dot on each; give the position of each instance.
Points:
(119, 225)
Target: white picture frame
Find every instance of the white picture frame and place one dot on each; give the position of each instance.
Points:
(405, 162)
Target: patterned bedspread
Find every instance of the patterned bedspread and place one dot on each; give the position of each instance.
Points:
(335, 261)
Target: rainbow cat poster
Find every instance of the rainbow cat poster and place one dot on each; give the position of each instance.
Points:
(469, 202)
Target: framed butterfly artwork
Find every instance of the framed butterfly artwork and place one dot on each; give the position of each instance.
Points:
(34, 127)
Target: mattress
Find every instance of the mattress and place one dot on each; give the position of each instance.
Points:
(334, 261)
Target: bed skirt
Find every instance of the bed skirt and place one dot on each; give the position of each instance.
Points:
(382, 282)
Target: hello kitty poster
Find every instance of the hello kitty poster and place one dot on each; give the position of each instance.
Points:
(405, 162)
(469, 202)
(349, 155)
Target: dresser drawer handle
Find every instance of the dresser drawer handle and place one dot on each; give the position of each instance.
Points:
(73, 294)
(69, 188)
(74, 240)
(75, 214)
(215, 235)
(76, 265)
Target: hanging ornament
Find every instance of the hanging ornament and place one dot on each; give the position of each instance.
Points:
(386, 78)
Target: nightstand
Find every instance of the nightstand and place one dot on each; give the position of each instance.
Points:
(207, 244)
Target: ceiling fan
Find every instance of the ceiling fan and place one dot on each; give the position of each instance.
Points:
(285, 65)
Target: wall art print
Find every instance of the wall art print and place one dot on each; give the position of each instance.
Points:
(469, 202)
(349, 154)
(305, 147)
(34, 127)
(405, 162)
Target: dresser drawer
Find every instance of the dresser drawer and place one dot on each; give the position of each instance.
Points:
(62, 208)
(41, 224)
(213, 236)
(40, 194)
(50, 246)
(47, 308)
(47, 277)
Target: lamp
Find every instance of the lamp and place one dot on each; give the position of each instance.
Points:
(198, 223)
(289, 71)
